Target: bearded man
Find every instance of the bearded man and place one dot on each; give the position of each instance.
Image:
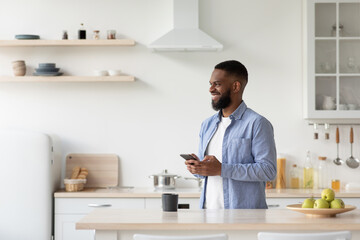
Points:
(237, 153)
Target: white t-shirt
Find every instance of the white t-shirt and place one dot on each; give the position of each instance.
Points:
(214, 187)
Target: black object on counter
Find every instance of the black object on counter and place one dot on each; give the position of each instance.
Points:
(183, 206)
(82, 32)
(170, 202)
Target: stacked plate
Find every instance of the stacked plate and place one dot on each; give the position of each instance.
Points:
(47, 69)
(26, 36)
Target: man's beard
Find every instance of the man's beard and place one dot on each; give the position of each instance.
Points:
(223, 102)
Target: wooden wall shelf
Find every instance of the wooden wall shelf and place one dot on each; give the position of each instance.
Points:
(68, 79)
(60, 43)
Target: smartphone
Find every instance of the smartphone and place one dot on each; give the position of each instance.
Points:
(188, 157)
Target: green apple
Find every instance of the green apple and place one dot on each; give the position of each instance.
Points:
(321, 203)
(337, 203)
(328, 194)
(308, 203)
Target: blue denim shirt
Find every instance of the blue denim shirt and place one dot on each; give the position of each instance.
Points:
(248, 157)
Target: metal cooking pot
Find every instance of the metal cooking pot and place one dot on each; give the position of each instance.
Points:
(164, 180)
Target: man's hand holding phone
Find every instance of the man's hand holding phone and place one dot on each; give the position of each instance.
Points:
(209, 166)
(191, 159)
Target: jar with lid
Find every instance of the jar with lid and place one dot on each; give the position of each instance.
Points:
(96, 35)
(280, 176)
(294, 177)
(323, 173)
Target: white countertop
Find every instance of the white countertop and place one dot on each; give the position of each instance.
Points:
(190, 193)
(228, 219)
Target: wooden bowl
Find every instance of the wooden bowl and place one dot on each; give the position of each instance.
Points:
(320, 212)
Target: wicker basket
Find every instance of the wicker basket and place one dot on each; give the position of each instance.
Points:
(74, 185)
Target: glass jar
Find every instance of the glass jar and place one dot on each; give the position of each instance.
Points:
(335, 184)
(294, 177)
(280, 176)
(323, 173)
(111, 34)
(96, 35)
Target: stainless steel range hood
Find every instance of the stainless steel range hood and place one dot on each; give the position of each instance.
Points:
(186, 35)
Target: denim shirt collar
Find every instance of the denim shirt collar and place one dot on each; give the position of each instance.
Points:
(237, 114)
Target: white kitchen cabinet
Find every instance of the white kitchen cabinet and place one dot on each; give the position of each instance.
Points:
(70, 210)
(282, 202)
(156, 203)
(332, 59)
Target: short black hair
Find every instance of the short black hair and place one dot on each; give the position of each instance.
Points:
(235, 68)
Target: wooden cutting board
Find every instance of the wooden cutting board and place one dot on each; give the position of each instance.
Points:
(103, 168)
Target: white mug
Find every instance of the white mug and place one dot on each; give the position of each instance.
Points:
(329, 103)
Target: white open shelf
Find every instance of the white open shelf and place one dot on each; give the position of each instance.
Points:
(68, 79)
(59, 43)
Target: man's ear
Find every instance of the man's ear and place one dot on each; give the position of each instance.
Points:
(236, 86)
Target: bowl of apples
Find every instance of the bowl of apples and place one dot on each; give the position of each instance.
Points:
(326, 206)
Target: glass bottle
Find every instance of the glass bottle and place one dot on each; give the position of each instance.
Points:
(294, 177)
(65, 35)
(323, 173)
(308, 173)
(82, 32)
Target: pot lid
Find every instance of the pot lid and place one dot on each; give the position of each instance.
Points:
(165, 173)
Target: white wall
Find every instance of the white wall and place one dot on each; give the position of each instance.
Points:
(150, 121)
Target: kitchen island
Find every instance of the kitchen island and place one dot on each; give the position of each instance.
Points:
(114, 224)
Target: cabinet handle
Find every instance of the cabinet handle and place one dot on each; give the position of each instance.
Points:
(273, 205)
(99, 205)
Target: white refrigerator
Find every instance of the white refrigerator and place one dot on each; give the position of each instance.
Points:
(29, 175)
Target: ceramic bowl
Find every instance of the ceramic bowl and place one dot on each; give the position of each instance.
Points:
(352, 106)
(20, 71)
(47, 65)
(114, 72)
(39, 70)
(343, 107)
(101, 73)
(19, 63)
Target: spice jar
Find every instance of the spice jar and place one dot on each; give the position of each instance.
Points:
(96, 34)
(111, 34)
(294, 177)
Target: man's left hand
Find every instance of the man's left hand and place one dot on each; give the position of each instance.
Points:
(209, 166)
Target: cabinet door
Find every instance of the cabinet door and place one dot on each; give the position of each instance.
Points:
(333, 59)
(86, 205)
(282, 202)
(156, 203)
(68, 211)
(65, 228)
